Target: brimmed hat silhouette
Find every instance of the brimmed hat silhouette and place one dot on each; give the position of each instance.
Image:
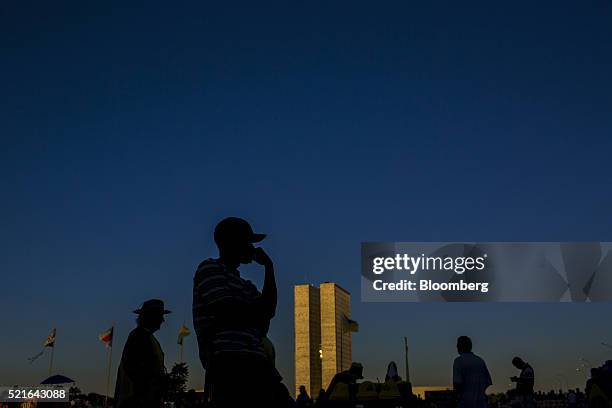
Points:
(152, 306)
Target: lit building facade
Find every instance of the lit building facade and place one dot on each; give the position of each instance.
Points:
(323, 344)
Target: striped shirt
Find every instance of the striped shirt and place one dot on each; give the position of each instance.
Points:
(216, 287)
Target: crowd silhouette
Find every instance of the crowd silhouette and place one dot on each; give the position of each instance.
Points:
(231, 318)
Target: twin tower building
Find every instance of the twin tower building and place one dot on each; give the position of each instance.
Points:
(323, 329)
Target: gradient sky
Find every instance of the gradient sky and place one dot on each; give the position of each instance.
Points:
(127, 132)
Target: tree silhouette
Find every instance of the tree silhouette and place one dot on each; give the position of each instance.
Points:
(176, 383)
(74, 392)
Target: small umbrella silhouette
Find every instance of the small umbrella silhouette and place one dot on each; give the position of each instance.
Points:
(57, 379)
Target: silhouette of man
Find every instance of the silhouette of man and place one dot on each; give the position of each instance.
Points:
(321, 401)
(303, 399)
(470, 376)
(140, 377)
(231, 318)
(572, 399)
(524, 383)
(392, 375)
(349, 378)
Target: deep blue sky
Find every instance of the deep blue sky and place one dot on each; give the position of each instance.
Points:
(127, 132)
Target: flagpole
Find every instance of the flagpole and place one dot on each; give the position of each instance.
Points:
(182, 340)
(108, 374)
(51, 360)
(406, 354)
(183, 332)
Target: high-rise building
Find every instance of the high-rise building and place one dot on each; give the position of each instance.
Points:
(336, 345)
(322, 339)
(307, 328)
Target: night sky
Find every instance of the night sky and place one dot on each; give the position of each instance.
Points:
(127, 132)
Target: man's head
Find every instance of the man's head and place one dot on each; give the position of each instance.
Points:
(518, 363)
(302, 389)
(234, 238)
(464, 344)
(151, 314)
(356, 370)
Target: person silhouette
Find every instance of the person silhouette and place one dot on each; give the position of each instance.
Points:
(348, 378)
(392, 374)
(321, 400)
(141, 372)
(470, 376)
(303, 400)
(524, 383)
(231, 319)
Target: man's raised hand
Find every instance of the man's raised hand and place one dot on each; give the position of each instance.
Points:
(261, 257)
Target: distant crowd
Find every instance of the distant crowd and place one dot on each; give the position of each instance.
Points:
(231, 318)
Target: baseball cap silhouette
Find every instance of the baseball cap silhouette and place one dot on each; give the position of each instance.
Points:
(234, 229)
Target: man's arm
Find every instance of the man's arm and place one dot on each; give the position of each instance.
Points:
(269, 293)
(457, 377)
(526, 376)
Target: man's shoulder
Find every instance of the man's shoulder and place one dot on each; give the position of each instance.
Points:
(138, 336)
(479, 359)
(207, 267)
(468, 358)
(463, 358)
(209, 263)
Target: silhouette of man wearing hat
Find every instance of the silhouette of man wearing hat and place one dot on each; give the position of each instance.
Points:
(231, 318)
(140, 376)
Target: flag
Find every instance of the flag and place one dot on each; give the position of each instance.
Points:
(50, 342)
(106, 337)
(183, 332)
(351, 325)
(33, 358)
